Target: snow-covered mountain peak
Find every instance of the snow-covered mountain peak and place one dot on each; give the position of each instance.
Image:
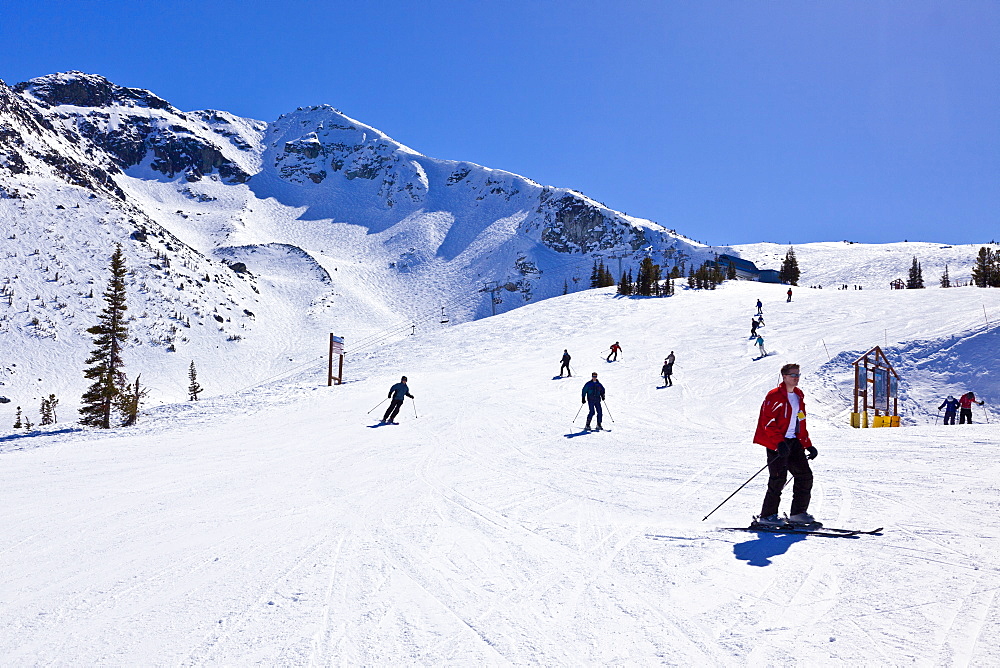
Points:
(80, 89)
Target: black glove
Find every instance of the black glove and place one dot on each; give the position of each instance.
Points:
(583, 400)
(783, 449)
(812, 452)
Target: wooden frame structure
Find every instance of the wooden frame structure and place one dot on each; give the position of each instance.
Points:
(876, 387)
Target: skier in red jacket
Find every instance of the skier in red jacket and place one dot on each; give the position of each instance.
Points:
(781, 428)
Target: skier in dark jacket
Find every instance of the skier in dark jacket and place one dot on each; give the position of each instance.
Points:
(950, 406)
(969, 398)
(753, 327)
(593, 394)
(668, 370)
(760, 308)
(565, 364)
(397, 393)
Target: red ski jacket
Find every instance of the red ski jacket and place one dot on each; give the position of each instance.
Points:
(775, 415)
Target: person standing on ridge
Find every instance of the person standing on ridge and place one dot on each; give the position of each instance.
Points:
(615, 348)
(966, 402)
(397, 393)
(668, 369)
(565, 364)
(781, 428)
(789, 293)
(593, 394)
(950, 406)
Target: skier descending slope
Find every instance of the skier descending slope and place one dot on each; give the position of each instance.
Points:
(397, 393)
(781, 428)
(565, 364)
(593, 394)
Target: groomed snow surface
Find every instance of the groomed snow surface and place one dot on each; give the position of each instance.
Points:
(279, 526)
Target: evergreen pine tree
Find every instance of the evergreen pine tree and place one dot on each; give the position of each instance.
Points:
(945, 280)
(46, 412)
(648, 279)
(53, 402)
(18, 424)
(595, 276)
(607, 280)
(625, 285)
(194, 389)
(916, 277)
(789, 272)
(986, 271)
(106, 368)
(128, 401)
(731, 272)
(565, 286)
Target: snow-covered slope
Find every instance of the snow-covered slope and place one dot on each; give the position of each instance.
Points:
(277, 526)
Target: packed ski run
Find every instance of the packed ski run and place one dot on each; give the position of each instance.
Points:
(273, 526)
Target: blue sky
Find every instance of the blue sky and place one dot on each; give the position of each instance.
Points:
(732, 122)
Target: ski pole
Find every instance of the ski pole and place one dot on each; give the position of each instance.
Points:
(609, 412)
(414, 403)
(737, 490)
(578, 412)
(379, 404)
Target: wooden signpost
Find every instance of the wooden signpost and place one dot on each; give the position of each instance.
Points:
(336, 348)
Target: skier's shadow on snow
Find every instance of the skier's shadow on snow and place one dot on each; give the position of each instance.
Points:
(578, 433)
(759, 551)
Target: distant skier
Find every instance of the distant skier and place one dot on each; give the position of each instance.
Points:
(966, 402)
(615, 349)
(781, 428)
(668, 369)
(593, 394)
(565, 364)
(760, 308)
(753, 327)
(789, 293)
(760, 344)
(397, 393)
(950, 406)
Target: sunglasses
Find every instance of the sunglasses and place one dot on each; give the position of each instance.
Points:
(793, 375)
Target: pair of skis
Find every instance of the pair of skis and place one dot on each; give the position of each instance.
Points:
(815, 529)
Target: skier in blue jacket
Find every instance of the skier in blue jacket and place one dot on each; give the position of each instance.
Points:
(593, 394)
(950, 407)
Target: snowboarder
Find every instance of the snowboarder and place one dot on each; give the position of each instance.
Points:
(397, 393)
(966, 402)
(565, 364)
(789, 293)
(950, 406)
(593, 394)
(615, 348)
(760, 344)
(760, 308)
(781, 428)
(668, 369)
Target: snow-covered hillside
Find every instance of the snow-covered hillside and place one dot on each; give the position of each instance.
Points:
(249, 242)
(279, 525)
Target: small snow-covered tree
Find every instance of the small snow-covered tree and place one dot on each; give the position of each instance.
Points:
(194, 389)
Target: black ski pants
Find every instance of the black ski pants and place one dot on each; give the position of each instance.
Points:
(595, 407)
(965, 417)
(949, 418)
(392, 410)
(779, 468)
(565, 365)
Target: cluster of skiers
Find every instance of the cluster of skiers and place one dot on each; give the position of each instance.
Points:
(781, 428)
(951, 406)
